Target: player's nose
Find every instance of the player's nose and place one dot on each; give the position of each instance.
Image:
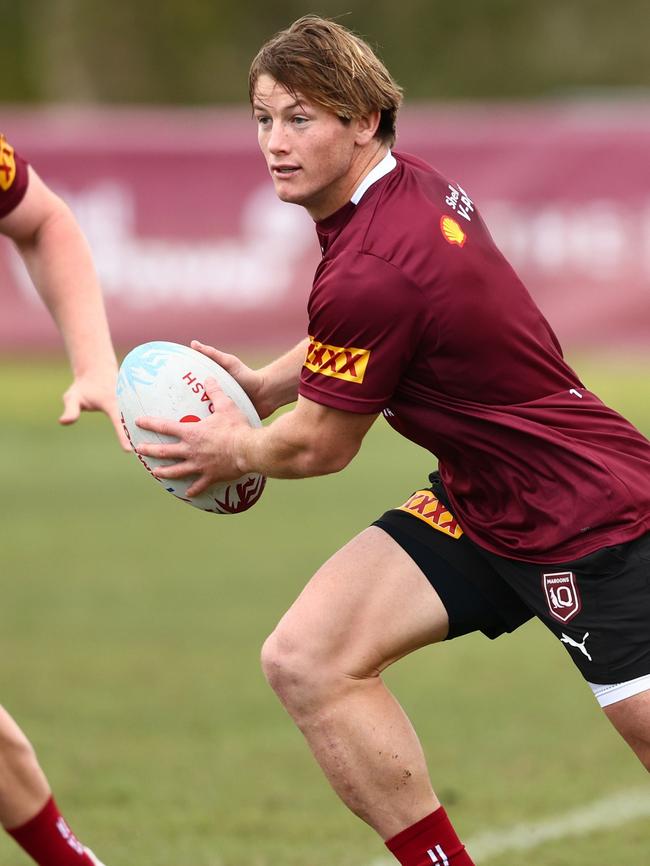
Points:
(278, 139)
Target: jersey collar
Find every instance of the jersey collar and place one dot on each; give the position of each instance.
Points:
(387, 164)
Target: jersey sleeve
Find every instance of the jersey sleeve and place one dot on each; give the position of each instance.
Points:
(365, 321)
(13, 177)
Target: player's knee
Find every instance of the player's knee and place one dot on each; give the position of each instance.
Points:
(284, 664)
(299, 674)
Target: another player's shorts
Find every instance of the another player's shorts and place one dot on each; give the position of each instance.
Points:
(597, 606)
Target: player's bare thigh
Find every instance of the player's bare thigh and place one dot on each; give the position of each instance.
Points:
(631, 718)
(367, 606)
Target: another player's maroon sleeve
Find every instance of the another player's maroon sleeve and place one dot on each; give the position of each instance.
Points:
(365, 321)
(13, 177)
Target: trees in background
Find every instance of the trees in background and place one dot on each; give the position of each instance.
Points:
(198, 51)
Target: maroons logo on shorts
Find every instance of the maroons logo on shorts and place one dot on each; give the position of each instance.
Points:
(562, 594)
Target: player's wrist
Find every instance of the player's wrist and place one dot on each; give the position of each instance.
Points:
(242, 450)
(262, 396)
(91, 358)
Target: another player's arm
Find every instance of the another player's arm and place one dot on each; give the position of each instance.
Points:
(59, 263)
(58, 259)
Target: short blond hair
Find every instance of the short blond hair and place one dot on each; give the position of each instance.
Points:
(334, 68)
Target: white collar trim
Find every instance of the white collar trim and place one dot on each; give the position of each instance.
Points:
(387, 164)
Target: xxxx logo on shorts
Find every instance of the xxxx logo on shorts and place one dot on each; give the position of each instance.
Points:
(562, 594)
(337, 361)
(7, 164)
(425, 506)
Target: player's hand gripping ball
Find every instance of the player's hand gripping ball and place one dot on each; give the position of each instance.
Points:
(166, 380)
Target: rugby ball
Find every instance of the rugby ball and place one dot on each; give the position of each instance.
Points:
(166, 380)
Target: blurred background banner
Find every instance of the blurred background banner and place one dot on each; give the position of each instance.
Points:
(541, 111)
(190, 240)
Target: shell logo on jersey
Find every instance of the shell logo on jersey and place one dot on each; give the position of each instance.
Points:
(337, 361)
(7, 164)
(427, 507)
(452, 232)
(562, 594)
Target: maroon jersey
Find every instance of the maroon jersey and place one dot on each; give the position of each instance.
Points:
(415, 313)
(13, 177)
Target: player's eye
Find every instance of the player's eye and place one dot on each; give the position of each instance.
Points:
(263, 120)
(300, 119)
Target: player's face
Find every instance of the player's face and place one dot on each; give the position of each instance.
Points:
(314, 158)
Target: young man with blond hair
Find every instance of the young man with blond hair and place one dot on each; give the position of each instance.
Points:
(55, 252)
(541, 505)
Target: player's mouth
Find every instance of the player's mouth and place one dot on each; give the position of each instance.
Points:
(284, 170)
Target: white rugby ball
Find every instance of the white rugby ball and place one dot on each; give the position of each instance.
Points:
(166, 380)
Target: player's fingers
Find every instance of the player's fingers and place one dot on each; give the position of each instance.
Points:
(162, 450)
(228, 362)
(71, 408)
(224, 406)
(197, 487)
(109, 407)
(123, 439)
(176, 470)
(214, 391)
(221, 401)
(160, 425)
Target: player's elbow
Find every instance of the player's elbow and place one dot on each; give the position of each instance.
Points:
(50, 224)
(326, 458)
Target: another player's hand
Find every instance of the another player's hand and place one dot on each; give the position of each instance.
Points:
(94, 394)
(205, 449)
(252, 381)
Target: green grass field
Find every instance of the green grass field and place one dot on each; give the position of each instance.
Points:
(131, 629)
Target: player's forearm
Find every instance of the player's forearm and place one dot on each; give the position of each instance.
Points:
(288, 448)
(282, 376)
(59, 262)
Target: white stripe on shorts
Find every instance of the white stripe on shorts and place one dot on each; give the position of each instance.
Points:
(611, 694)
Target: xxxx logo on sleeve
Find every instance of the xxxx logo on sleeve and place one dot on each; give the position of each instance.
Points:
(7, 164)
(337, 361)
(427, 507)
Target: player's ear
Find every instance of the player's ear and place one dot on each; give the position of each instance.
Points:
(367, 127)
